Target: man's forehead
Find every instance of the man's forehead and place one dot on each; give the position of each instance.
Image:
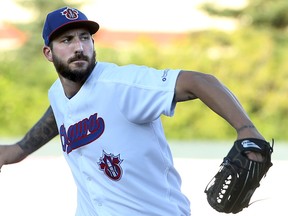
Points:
(74, 31)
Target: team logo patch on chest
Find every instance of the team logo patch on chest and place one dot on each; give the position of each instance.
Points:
(110, 165)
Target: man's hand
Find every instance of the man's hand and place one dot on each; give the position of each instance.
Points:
(10, 154)
(255, 156)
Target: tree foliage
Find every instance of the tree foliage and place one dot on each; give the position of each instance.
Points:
(259, 14)
(251, 61)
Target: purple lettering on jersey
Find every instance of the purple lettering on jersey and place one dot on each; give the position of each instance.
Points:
(81, 133)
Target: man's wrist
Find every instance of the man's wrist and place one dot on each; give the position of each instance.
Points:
(244, 127)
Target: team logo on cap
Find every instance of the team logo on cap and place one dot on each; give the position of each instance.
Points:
(110, 165)
(70, 13)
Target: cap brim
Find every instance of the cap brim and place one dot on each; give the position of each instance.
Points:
(91, 26)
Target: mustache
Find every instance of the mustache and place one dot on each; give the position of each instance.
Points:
(77, 57)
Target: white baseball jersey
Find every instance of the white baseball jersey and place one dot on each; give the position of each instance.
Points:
(113, 141)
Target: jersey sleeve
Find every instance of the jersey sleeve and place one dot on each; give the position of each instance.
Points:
(144, 93)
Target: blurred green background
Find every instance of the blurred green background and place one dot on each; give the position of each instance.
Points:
(251, 61)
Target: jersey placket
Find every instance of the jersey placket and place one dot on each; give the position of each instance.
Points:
(89, 175)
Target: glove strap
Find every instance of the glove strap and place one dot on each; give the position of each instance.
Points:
(253, 144)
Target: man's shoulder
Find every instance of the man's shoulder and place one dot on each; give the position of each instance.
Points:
(107, 69)
(114, 66)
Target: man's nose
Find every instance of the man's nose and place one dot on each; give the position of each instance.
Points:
(78, 46)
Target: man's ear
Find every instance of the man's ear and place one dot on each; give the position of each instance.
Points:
(48, 53)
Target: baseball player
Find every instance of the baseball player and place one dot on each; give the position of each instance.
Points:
(108, 121)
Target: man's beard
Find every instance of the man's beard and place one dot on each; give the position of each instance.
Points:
(76, 75)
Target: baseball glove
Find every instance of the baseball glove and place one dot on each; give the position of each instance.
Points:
(233, 186)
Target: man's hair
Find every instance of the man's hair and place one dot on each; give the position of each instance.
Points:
(50, 45)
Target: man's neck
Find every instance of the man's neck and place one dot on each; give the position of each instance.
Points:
(70, 88)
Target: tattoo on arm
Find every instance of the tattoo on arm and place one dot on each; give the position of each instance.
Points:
(244, 127)
(41, 133)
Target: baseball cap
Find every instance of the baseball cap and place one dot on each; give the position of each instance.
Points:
(63, 19)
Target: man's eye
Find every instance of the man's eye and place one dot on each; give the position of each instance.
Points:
(65, 41)
(85, 37)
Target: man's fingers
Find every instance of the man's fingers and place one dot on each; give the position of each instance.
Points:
(255, 156)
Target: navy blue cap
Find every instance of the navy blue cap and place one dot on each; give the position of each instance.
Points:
(63, 19)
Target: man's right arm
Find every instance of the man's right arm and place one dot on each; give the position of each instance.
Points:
(40, 134)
